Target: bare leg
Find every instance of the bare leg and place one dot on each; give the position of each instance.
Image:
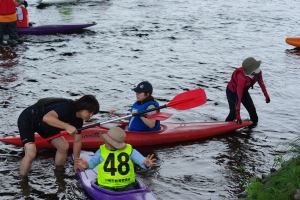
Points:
(62, 147)
(30, 153)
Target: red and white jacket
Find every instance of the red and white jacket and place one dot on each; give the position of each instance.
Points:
(239, 83)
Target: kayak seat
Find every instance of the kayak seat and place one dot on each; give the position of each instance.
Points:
(139, 184)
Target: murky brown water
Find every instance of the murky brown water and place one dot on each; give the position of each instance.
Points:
(176, 45)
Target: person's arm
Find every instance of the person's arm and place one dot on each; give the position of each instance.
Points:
(145, 163)
(95, 160)
(114, 112)
(81, 163)
(261, 82)
(76, 150)
(51, 118)
(263, 86)
(149, 122)
(92, 163)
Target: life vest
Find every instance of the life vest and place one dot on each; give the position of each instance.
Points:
(7, 11)
(136, 123)
(23, 22)
(117, 170)
(7, 7)
(233, 81)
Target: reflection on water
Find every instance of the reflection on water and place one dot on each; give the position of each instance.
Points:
(60, 180)
(66, 13)
(26, 189)
(7, 52)
(8, 57)
(237, 160)
(292, 64)
(295, 51)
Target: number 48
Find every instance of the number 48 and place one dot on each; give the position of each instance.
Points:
(109, 165)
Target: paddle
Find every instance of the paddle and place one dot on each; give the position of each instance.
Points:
(157, 116)
(183, 101)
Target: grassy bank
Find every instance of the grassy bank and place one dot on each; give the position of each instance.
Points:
(283, 181)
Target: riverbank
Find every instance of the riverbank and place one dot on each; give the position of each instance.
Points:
(283, 182)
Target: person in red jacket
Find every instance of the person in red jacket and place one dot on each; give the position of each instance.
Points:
(8, 19)
(237, 90)
(22, 13)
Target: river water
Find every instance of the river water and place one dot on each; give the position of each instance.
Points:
(176, 45)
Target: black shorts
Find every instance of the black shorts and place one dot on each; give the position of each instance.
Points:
(26, 122)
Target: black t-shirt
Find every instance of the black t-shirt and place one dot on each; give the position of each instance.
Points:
(66, 113)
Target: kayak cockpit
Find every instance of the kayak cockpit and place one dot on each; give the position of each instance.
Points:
(124, 126)
(141, 188)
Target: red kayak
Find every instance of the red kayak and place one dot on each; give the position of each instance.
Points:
(170, 133)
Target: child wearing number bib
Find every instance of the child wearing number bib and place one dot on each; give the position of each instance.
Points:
(115, 162)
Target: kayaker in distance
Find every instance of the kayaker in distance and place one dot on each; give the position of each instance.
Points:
(8, 20)
(115, 162)
(145, 101)
(237, 90)
(22, 13)
(48, 117)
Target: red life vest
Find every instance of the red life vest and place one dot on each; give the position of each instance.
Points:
(7, 7)
(233, 81)
(24, 22)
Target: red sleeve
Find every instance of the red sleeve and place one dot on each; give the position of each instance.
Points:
(261, 82)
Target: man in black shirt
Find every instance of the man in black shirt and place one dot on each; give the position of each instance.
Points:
(48, 117)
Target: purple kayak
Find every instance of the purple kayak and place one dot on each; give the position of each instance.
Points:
(51, 29)
(88, 181)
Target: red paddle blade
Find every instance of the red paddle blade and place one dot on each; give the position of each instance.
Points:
(159, 116)
(188, 100)
(62, 133)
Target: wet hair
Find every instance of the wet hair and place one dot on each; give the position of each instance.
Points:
(87, 102)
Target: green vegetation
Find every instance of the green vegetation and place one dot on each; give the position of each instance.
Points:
(281, 184)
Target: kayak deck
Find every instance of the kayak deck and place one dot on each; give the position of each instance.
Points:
(169, 133)
(50, 29)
